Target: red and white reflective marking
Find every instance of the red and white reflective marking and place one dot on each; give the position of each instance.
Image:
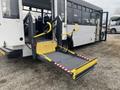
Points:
(84, 57)
(62, 67)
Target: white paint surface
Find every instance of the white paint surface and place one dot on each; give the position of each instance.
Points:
(85, 35)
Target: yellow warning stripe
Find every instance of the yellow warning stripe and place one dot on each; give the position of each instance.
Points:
(67, 49)
(47, 58)
(83, 68)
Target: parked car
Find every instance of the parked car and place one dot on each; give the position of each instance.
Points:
(114, 26)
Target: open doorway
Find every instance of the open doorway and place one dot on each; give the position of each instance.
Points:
(42, 11)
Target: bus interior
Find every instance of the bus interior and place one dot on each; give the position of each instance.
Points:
(42, 13)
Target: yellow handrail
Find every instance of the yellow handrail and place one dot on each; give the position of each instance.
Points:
(69, 33)
(50, 29)
(76, 29)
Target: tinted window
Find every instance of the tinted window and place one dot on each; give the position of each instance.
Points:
(93, 18)
(69, 4)
(81, 14)
(10, 9)
(61, 9)
(69, 15)
(70, 12)
(85, 16)
(79, 7)
(76, 14)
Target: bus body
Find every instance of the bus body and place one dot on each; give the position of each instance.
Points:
(81, 22)
(42, 28)
(88, 18)
(114, 26)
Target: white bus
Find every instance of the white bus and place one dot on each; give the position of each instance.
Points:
(80, 22)
(89, 19)
(114, 26)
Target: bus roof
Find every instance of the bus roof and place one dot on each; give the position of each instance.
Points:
(86, 4)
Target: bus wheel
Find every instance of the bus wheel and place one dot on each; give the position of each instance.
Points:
(113, 31)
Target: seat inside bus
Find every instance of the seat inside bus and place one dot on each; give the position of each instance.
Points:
(40, 21)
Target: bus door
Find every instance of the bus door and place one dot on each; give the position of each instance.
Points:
(60, 10)
(97, 29)
(104, 25)
(98, 25)
(11, 24)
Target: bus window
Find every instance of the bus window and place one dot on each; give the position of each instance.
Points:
(76, 13)
(69, 4)
(85, 16)
(38, 10)
(119, 23)
(80, 16)
(61, 9)
(69, 13)
(79, 7)
(34, 9)
(10, 9)
(93, 18)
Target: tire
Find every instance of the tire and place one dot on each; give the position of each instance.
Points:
(113, 31)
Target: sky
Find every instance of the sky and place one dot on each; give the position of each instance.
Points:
(112, 6)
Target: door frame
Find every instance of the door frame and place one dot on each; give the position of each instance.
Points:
(106, 26)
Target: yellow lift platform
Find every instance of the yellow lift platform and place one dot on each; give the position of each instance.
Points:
(73, 64)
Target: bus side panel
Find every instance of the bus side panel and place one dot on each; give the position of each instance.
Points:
(1, 36)
(85, 35)
(11, 29)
